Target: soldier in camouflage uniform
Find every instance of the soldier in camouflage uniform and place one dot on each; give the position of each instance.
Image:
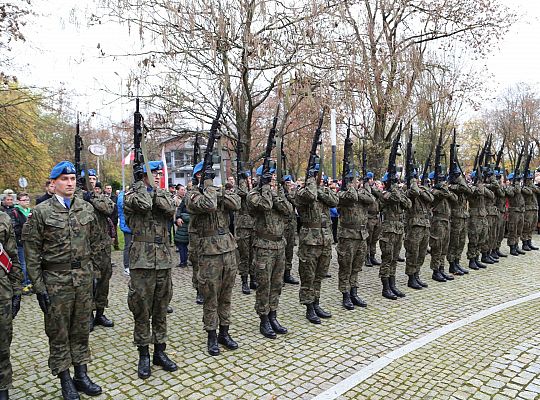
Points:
(244, 236)
(530, 218)
(217, 256)
(148, 211)
(10, 298)
(271, 210)
(440, 228)
(393, 202)
(104, 207)
(417, 235)
(493, 216)
(458, 222)
(60, 243)
(374, 222)
(290, 231)
(516, 211)
(313, 203)
(352, 235)
(503, 215)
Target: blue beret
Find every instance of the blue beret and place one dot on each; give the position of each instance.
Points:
(370, 175)
(154, 165)
(385, 177)
(259, 170)
(431, 175)
(198, 168)
(63, 167)
(91, 172)
(287, 178)
(511, 175)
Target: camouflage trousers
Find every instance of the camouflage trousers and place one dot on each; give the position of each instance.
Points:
(374, 230)
(149, 294)
(439, 237)
(290, 239)
(217, 274)
(351, 256)
(515, 227)
(458, 236)
(6, 334)
(269, 267)
(477, 233)
(501, 226)
(68, 319)
(101, 299)
(530, 220)
(313, 264)
(493, 228)
(244, 240)
(416, 243)
(390, 244)
(193, 257)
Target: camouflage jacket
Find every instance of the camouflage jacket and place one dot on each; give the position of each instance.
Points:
(516, 203)
(441, 207)
(243, 218)
(420, 211)
(462, 191)
(393, 203)
(529, 192)
(104, 208)
(477, 201)
(353, 205)
(148, 214)
(373, 209)
(10, 284)
(210, 216)
(313, 204)
(60, 243)
(271, 211)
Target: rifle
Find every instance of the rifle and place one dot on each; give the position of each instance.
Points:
(409, 164)
(488, 155)
(82, 182)
(438, 155)
(139, 159)
(427, 166)
(527, 166)
(475, 165)
(239, 169)
(392, 168)
(455, 168)
(364, 162)
(518, 164)
(213, 136)
(313, 157)
(269, 145)
(347, 148)
(196, 150)
(499, 155)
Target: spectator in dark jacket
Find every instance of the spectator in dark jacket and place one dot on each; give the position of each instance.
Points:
(49, 192)
(181, 237)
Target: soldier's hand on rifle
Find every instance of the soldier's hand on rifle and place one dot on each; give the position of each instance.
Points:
(87, 196)
(209, 173)
(312, 172)
(138, 171)
(15, 305)
(44, 302)
(266, 178)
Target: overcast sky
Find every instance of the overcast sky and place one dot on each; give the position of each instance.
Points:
(60, 51)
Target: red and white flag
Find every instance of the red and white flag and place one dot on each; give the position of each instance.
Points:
(165, 177)
(129, 158)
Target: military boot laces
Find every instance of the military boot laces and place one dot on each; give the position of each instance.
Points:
(266, 328)
(531, 246)
(320, 311)
(212, 344)
(357, 300)
(347, 303)
(500, 253)
(446, 276)
(525, 246)
(420, 282)
(245, 285)
(412, 283)
(393, 287)
(276, 326)
(225, 339)
(437, 276)
(200, 298)
(161, 359)
(386, 292)
(102, 320)
(83, 383)
(143, 368)
(4, 394)
(288, 278)
(69, 391)
(311, 315)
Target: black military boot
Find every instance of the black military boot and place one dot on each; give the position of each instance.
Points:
(412, 283)
(170, 310)
(245, 285)
(495, 260)
(374, 260)
(288, 278)
(453, 269)
(479, 264)
(347, 303)
(143, 369)
(276, 326)
(513, 250)
(69, 391)
(485, 259)
(321, 313)
(525, 245)
(500, 253)
(4, 394)
(473, 265)
(357, 300)
(200, 298)
(102, 320)
(531, 246)
(212, 344)
(386, 292)
(393, 288)
(311, 315)
(253, 282)
(444, 274)
(493, 254)
(520, 251)
(225, 339)
(83, 383)
(91, 324)
(420, 282)
(368, 262)
(437, 276)
(462, 269)
(161, 359)
(265, 328)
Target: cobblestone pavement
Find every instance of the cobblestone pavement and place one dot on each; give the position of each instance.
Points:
(311, 359)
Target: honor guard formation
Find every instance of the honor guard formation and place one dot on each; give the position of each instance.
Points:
(61, 249)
